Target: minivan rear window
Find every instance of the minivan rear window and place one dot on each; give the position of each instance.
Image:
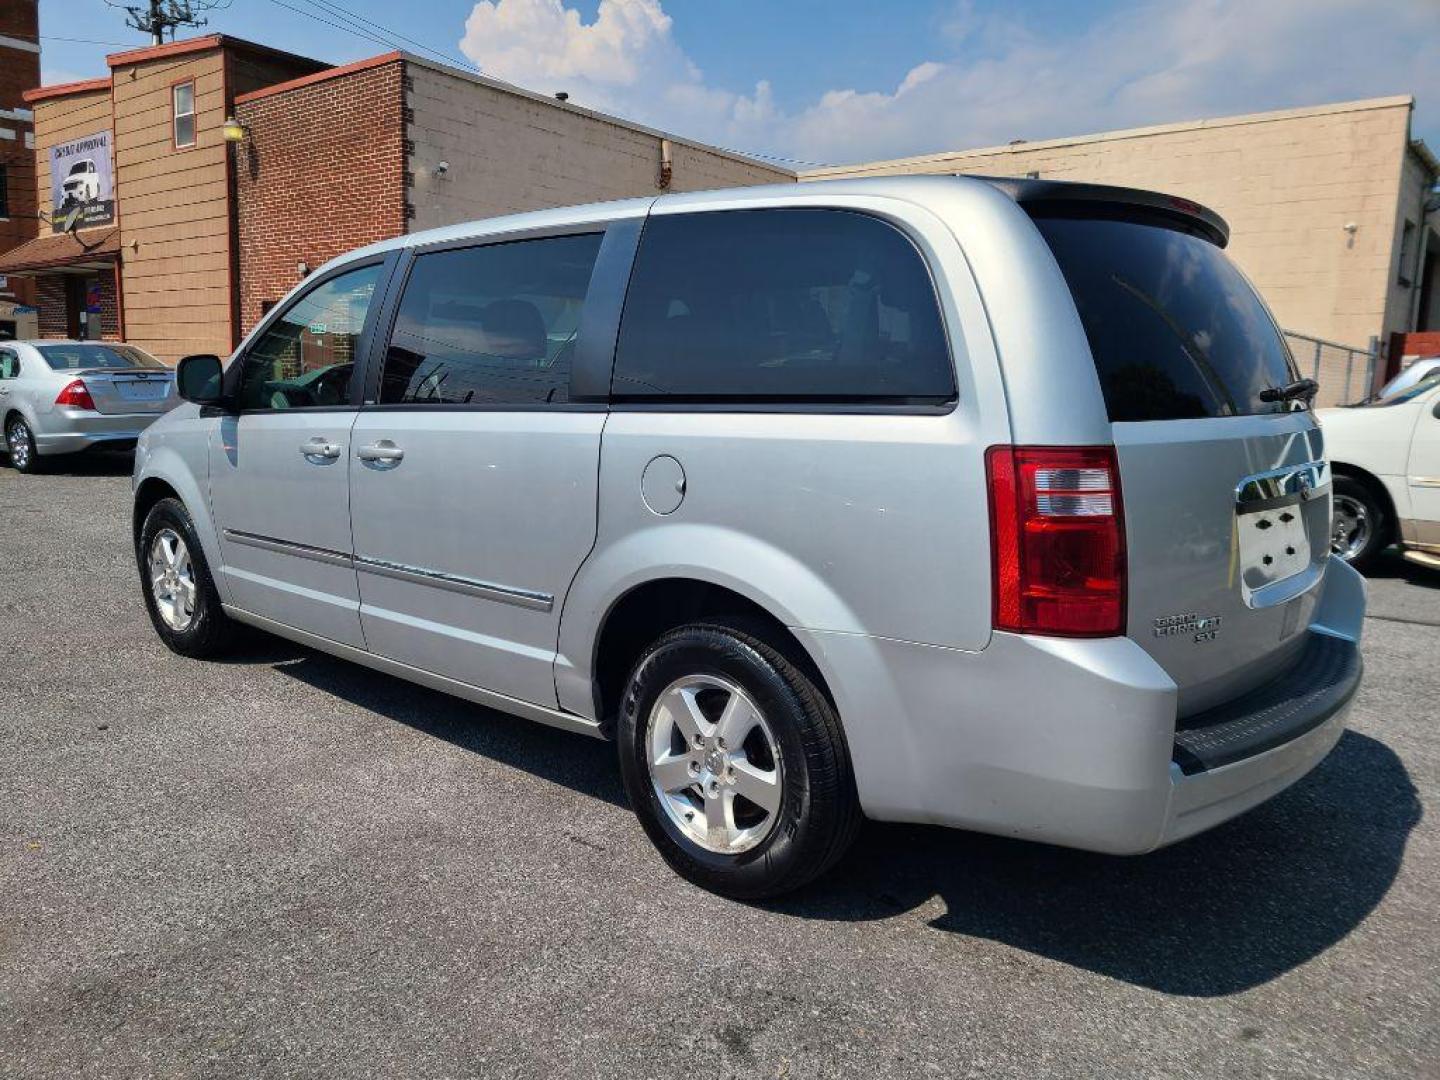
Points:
(781, 305)
(1175, 329)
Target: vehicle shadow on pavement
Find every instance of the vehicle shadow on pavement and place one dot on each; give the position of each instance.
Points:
(1217, 914)
(98, 463)
(580, 763)
(1394, 566)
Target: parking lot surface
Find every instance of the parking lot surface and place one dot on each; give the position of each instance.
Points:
(287, 865)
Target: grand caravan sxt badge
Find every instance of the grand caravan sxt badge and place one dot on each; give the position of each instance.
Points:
(1203, 627)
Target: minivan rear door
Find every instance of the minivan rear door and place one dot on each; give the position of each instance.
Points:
(1225, 489)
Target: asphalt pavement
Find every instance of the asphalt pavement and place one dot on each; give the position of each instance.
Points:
(285, 865)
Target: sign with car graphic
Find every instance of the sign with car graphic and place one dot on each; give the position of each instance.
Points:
(82, 185)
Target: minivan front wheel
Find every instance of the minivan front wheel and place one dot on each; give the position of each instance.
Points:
(180, 596)
(735, 763)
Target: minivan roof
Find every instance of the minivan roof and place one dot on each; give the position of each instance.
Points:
(1033, 195)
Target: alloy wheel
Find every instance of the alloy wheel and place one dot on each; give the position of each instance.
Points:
(172, 579)
(18, 440)
(714, 764)
(1350, 526)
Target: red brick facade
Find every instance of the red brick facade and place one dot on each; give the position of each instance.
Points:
(52, 304)
(320, 172)
(19, 71)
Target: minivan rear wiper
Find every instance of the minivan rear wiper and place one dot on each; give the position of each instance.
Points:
(1301, 389)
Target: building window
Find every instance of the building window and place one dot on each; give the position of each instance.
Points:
(183, 105)
(1407, 253)
(4, 191)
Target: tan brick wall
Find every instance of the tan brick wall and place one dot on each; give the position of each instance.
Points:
(321, 172)
(510, 152)
(173, 211)
(1286, 182)
(59, 120)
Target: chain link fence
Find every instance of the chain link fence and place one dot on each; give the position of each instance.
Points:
(1345, 373)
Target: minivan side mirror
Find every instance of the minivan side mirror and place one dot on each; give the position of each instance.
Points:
(198, 379)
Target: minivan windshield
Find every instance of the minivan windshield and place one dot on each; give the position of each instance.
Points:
(88, 356)
(1175, 329)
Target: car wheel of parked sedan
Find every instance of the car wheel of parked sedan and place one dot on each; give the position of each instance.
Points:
(1359, 526)
(735, 762)
(179, 593)
(20, 441)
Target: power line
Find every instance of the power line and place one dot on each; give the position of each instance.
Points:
(362, 27)
(87, 41)
(337, 26)
(351, 16)
(357, 25)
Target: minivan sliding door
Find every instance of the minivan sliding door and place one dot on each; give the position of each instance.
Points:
(473, 484)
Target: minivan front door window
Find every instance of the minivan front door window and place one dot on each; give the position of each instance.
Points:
(307, 356)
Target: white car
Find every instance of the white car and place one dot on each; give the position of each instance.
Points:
(1386, 460)
(82, 184)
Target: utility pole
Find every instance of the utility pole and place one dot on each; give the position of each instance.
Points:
(158, 16)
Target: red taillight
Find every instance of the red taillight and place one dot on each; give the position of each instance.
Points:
(76, 395)
(1057, 540)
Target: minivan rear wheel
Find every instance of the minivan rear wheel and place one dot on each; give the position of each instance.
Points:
(735, 762)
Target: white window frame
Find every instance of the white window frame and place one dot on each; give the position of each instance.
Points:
(176, 115)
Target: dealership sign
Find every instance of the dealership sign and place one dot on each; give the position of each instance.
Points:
(82, 183)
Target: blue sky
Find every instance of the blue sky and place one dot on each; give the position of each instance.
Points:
(831, 81)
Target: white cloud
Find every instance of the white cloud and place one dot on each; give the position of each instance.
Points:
(991, 78)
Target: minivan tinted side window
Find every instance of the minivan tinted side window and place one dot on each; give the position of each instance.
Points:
(780, 305)
(1175, 329)
(306, 357)
(492, 325)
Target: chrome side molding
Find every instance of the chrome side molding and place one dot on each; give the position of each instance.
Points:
(288, 547)
(419, 575)
(536, 601)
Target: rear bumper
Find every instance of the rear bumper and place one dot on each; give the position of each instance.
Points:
(1067, 741)
(65, 431)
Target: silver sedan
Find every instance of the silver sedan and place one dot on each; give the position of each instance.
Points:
(58, 397)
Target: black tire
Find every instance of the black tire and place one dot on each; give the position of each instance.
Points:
(1355, 492)
(20, 444)
(819, 812)
(210, 631)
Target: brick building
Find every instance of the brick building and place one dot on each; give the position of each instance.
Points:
(134, 177)
(397, 144)
(1326, 207)
(19, 72)
(177, 239)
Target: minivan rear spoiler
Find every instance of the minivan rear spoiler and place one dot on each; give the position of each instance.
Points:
(1055, 198)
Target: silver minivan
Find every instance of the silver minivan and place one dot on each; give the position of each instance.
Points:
(994, 504)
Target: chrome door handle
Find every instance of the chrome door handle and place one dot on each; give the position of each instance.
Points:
(320, 447)
(384, 450)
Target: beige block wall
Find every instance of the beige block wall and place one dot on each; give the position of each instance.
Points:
(511, 152)
(1286, 182)
(174, 210)
(59, 120)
